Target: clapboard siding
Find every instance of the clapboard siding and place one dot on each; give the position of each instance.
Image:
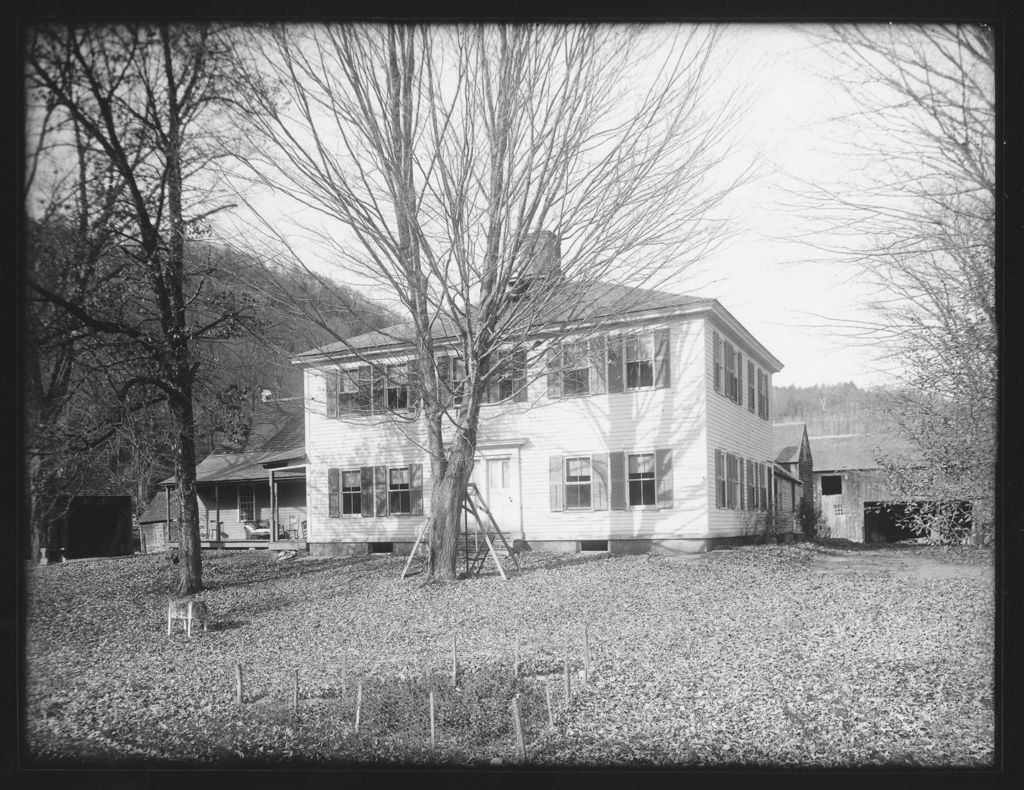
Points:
(731, 427)
(535, 430)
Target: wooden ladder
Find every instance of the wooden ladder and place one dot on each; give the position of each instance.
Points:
(474, 546)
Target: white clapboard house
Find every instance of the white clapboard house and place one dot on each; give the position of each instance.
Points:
(653, 434)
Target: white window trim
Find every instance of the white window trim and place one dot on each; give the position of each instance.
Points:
(566, 483)
(341, 493)
(654, 459)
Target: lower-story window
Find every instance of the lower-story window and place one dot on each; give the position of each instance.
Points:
(351, 493)
(577, 482)
(399, 491)
(640, 478)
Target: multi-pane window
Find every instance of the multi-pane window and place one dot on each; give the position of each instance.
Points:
(730, 370)
(509, 379)
(732, 465)
(246, 503)
(396, 392)
(640, 479)
(639, 352)
(349, 399)
(577, 482)
(351, 493)
(399, 491)
(575, 369)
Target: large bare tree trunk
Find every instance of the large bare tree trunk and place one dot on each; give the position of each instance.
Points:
(190, 561)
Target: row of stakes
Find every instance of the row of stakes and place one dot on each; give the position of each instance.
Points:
(517, 720)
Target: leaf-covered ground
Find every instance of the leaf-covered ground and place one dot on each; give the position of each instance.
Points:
(767, 655)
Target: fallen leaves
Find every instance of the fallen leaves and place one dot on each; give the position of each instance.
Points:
(749, 656)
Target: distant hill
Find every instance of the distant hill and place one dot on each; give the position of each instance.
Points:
(830, 409)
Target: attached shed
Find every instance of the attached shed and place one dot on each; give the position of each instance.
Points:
(793, 454)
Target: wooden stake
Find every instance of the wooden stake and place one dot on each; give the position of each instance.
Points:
(432, 742)
(547, 694)
(238, 683)
(359, 703)
(517, 721)
(515, 666)
(455, 661)
(586, 653)
(295, 692)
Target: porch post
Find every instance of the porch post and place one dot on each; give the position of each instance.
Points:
(167, 502)
(273, 508)
(216, 497)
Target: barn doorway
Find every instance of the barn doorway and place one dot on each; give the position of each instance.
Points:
(887, 522)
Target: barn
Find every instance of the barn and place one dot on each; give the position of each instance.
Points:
(850, 490)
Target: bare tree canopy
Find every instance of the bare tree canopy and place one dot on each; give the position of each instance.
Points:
(438, 157)
(125, 125)
(918, 223)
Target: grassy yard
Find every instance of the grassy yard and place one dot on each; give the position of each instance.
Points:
(767, 655)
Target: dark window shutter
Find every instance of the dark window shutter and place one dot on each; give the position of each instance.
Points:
(379, 378)
(415, 382)
(739, 378)
(519, 381)
(554, 374)
(716, 355)
(555, 479)
(444, 379)
(663, 473)
(366, 491)
(615, 364)
(767, 395)
(380, 490)
(662, 368)
(617, 480)
(751, 393)
(333, 493)
(365, 378)
(416, 489)
(332, 393)
(719, 500)
(598, 366)
(599, 475)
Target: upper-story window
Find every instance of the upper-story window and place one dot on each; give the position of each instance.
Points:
(396, 387)
(575, 369)
(616, 363)
(639, 361)
(508, 381)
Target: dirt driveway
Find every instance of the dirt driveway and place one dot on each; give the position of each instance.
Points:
(893, 562)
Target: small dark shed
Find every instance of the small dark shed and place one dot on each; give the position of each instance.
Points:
(94, 526)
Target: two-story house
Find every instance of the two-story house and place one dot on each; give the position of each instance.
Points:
(652, 434)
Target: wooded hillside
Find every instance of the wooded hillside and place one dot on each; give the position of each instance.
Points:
(835, 408)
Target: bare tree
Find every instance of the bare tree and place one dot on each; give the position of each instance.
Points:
(135, 102)
(449, 164)
(917, 221)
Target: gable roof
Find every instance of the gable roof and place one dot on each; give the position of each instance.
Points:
(857, 451)
(277, 433)
(598, 300)
(156, 510)
(786, 439)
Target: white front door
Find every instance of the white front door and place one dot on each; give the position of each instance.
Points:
(495, 479)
